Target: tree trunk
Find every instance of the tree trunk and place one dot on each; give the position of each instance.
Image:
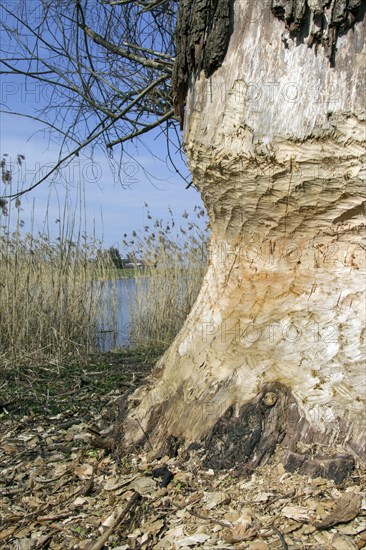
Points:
(273, 348)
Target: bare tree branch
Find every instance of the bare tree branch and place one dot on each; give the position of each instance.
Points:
(77, 150)
(149, 127)
(150, 52)
(158, 65)
(106, 69)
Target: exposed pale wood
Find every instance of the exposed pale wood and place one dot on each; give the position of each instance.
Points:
(275, 139)
(204, 30)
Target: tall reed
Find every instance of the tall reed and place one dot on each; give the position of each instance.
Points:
(174, 260)
(51, 289)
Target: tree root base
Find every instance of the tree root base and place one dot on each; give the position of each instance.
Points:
(247, 438)
(244, 438)
(336, 468)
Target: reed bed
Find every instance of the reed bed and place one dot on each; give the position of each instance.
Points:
(174, 262)
(58, 296)
(52, 298)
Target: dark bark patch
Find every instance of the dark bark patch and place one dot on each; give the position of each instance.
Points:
(202, 37)
(244, 440)
(322, 21)
(247, 439)
(337, 467)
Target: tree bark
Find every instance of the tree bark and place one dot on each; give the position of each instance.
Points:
(273, 350)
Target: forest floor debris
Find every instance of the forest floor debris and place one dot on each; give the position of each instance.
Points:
(59, 492)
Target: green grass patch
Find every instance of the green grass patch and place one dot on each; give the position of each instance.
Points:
(75, 385)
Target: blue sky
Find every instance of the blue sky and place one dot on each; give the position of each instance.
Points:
(111, 209)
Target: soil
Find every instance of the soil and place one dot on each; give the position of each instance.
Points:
(60, 490)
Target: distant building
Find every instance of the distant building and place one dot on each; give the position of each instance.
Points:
(129, 265)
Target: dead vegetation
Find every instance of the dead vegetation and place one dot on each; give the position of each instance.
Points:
(53, 280)
(58, 490)
(174, 252)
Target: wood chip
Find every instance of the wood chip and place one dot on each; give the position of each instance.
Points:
(347, 508)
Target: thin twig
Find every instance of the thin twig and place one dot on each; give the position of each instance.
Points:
(145, 434)
(157, 122)
(281, 537)
(103, 539)
(150, 63)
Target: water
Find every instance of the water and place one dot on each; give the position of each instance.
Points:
(114, 331)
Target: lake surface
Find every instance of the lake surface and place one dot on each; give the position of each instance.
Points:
(114, 329)
(114, 326)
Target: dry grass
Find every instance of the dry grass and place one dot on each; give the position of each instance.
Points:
(58, 295)
(175, 262)
(49, 296)
(51, 291)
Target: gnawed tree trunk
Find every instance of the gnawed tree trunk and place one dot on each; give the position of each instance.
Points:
(275, 138)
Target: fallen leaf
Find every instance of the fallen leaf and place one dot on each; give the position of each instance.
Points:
(79, 501)
(32, 502)
(263, 497)
(298, 513)
(235, 537)
(174, 533)
(232, 516)
(109, 520)
(214, 499)
(347, 508)
(258, 545)
(143, 485)
(82, 436)
(340, 542)
(358, 526)
(83, 471)
(362, 540)
(192, 540)
(153, 527)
